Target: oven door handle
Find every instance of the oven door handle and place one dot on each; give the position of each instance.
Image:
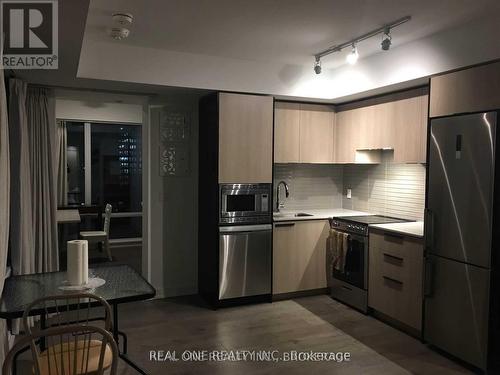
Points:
(245, 228)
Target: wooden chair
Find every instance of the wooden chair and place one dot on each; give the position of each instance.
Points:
(100, 236)
(67, 343)
(96, 351)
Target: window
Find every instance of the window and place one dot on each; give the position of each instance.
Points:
(107, 160)
(76, 163)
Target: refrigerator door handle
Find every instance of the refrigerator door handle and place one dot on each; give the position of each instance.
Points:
(428, 278)
(429, 229)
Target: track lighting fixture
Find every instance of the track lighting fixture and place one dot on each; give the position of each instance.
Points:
(317, 66)
(386, 39)
(354, 55)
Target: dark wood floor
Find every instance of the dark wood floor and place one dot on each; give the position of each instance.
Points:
(307, 324)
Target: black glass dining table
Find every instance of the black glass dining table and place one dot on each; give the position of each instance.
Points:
(122, 285)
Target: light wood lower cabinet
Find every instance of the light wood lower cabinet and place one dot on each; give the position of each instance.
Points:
(396, 277)
(299, 256)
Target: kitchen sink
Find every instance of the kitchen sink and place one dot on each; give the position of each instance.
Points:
(302, 214)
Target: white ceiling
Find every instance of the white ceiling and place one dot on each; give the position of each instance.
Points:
(267, 46)
(283, 31)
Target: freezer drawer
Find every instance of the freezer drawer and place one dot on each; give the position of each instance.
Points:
(456, 309)
(245, 255)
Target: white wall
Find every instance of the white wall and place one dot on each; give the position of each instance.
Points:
(99, 106)
(173, 210)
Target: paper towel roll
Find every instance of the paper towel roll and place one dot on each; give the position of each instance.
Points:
(77, 262)
(85, 262)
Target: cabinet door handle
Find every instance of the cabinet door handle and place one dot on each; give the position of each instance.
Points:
(428, 278)
(392, 280)
(284, 225)
(399, 259)
(428, 229)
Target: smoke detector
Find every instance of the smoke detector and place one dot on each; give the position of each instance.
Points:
(119, 33)
(123, 19)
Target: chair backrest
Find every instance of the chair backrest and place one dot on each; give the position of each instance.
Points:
(91, 217)
(71, 350)
(68, 309)
(107, 218)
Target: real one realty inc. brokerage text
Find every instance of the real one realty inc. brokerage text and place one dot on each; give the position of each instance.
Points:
(247, 355)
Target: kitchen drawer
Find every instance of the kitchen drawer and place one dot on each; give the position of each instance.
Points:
(394, 243)
(395, 277)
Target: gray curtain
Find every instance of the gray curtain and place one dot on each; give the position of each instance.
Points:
(40, 107)
(33, 234)
(62, 164)
(21, 219)
(4, 203)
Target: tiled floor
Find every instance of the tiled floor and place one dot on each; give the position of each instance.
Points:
(307, 324)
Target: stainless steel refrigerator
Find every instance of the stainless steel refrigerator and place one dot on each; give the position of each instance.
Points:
(460, 238)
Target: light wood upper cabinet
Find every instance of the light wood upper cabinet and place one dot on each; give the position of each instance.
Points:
(470, 90)
(410, 130)
(299, 252)
(316, 133)
(286, 132)
(304, 133)
(346, 133)
(245, 138)
(398, 122)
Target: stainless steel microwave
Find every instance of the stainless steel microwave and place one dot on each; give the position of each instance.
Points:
(245, 203)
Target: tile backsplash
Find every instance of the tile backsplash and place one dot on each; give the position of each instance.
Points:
(387, 188)
(312, 186)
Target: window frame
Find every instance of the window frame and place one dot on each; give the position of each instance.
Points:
(87, 126)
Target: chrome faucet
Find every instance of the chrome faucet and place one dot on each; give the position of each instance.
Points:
(287, 194)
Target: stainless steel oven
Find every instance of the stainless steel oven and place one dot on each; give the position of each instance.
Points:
(350, 283)
(245, 203)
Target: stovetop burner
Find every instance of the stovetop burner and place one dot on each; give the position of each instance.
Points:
(359, 224)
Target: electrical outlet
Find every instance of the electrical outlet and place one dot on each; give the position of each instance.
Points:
(349, 193)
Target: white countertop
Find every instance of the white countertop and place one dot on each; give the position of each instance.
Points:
(318, 214)
(414, 228)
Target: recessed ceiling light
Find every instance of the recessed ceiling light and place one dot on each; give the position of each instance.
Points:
(123, 19)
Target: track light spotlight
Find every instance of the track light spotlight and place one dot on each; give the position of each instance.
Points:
(386, 39)
(352, 57)
(317, 66)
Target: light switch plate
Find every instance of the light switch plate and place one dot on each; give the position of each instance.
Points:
(349, 193)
